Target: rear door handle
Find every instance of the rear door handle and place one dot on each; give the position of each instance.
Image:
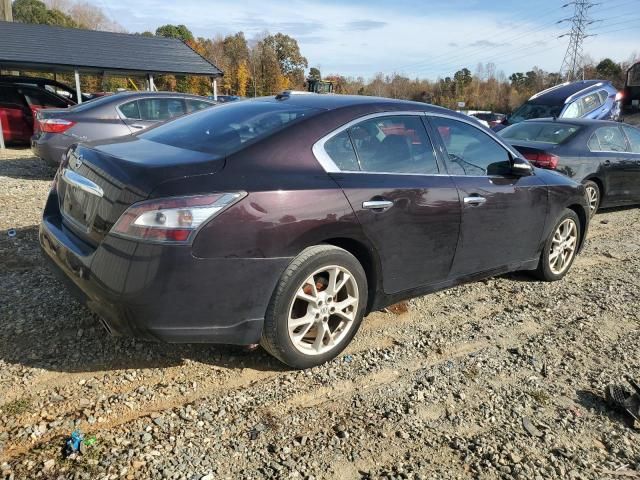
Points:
(474, 200)
(377, 204)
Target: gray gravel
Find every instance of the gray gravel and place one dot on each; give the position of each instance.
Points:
(496, 379)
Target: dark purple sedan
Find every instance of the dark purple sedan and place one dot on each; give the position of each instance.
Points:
(285, 220)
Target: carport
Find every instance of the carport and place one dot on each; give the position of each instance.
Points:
(55, 49)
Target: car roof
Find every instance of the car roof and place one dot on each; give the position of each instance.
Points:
(559, 93)
(329, 101)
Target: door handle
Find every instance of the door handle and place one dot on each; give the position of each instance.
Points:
(474, 200)
(135, 125)
(607, 163)
(377, 204)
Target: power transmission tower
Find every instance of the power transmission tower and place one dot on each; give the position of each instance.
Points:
(573, 58)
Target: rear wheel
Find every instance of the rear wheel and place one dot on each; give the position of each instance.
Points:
(317, 307)
(560, 249)
(592, 192)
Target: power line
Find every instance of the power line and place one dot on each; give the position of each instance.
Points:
(573, 58)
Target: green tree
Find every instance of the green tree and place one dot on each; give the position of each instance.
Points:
(291, 61)
(314, 74)
(608, 68)
(180, 32)
(35, 11)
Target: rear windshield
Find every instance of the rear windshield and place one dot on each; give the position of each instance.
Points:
(225, 128)
(540, 132)
(530, 111)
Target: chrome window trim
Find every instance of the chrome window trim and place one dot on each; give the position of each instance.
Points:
(579, 93)
(329, 165)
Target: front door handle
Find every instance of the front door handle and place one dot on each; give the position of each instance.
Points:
(474, 200)
(135, 125)
(377, 204)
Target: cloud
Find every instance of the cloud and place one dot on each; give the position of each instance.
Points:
(452, 44)
(364, 25)
(487, 43)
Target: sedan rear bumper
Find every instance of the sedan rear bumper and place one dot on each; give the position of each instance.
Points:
(163, 292)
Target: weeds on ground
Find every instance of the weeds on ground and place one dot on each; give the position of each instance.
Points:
(16, 407)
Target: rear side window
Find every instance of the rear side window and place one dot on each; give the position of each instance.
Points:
(540, 132)
(40, 98)
(633, 134)
(341, 151)
(10, 96)
(228, 127)
(195, 105)
(608, 139)
(470, 150)
(394, 144)
(130, 110)
(158, 109)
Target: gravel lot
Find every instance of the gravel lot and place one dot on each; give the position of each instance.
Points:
(496, 379)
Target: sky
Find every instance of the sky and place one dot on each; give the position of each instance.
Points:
(416, 38)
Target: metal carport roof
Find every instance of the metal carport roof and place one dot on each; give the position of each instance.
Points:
(25, 46)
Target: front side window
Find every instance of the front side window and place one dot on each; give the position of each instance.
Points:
(633, 134)
(608, 139)
(41, 98)
(470, 151)
(574, 110)
(226, 128)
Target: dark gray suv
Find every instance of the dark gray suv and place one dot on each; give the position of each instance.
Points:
(55, 130)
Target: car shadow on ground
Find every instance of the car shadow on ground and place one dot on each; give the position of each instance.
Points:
(25, 167)
(44, 327)
(595, 402)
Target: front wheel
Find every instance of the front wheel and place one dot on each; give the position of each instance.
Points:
(317, 307)
(560, 249)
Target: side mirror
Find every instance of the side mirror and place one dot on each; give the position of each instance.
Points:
(521, 167)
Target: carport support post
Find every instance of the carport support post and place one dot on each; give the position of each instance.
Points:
(78, 91)
(152, 86)
(215, 89)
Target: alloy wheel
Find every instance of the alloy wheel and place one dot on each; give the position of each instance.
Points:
(592, 197)
(323, 310)
(563, 246)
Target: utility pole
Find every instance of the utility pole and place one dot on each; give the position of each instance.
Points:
(5, 11)
(573, 58)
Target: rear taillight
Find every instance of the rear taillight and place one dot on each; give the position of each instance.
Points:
(619, 96)
(55, 125)
(543, 160)
(173, 219)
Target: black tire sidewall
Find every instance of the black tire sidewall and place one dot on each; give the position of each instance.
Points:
(276, 320)
(544, 270)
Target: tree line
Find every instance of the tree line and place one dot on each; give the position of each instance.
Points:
(270, 63)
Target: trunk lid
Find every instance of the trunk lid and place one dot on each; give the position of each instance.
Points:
(98, 182)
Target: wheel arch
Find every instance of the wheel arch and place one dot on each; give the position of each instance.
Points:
(367, 258)
(582, 217)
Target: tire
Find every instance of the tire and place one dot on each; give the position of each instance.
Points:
(320, 333)
(553, 267)
(593, 194)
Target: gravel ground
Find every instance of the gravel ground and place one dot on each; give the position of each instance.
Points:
(496, 379)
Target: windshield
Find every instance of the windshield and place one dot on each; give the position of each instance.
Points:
(528, 111)
(226, 128)
(545, 132)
